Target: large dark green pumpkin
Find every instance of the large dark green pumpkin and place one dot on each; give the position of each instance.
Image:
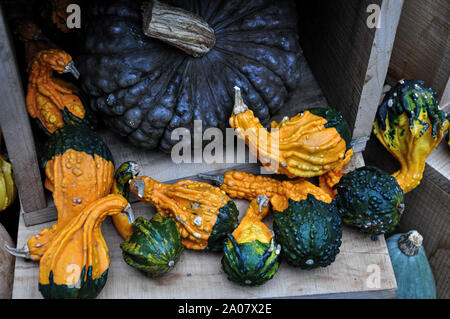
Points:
(251, 263)
(413, 273)
(370, 200)
(154, 247)
(309, 232)
(144, 89)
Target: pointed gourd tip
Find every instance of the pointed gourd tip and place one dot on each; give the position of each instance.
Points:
(23, 252)
(135, 168)
(70, 68)
(262, 201)
(217, 179)
(130, 213)
(239, 105)
(139, 186)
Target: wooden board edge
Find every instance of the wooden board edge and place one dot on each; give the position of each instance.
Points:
(16, 126)
(377, 69)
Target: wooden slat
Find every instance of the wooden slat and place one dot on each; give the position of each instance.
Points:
(348, 59)
(422, 46)
(16, 127)
(377, 68)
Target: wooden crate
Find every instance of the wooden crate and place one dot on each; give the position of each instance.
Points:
(345, 66)
(422, 51)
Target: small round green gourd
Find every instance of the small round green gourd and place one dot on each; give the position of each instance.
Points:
(154, 247)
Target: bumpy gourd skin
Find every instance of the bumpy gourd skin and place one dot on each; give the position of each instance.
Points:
(144, 89)
(305, 145)
(328, 180)
(410, 125)
(154, 247)
(52, 102)
(247, 186)
(76, 263)
(370, 200)
(204, 214)
(79, 170)
(251, 253)
(309, 232)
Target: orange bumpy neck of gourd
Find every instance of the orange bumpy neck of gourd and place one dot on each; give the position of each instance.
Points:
(46, 97)
(186, 202)
(80, 244)
(248, 186)
(301, 146)
(76, 179)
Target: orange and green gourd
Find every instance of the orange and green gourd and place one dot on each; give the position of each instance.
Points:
(8, 189)
(76, 262)
(243, 185)
(251, 253)
(204, 214)
(309, 144)
(409, 124)
(154, 246)
(53, 103)
(79, 170)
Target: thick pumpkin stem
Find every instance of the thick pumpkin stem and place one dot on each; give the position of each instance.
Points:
(178, 27)
(410, 243)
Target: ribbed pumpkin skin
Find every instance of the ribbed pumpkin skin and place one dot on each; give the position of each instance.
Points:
(309, 232)
(145, 89)
(154, 247)
(369, 199)
(250, 264)
(413, 274)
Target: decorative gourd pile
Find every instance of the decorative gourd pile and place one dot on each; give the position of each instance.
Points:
(145, 89)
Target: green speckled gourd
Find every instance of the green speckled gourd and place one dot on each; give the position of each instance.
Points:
(413, 274)
(370, 200)
(251, 253)
(154, 247)
(410, 125)
(309, 232)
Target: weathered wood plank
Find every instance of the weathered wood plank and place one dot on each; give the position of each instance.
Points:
(422, 46)
(350, 60)
(199, 274)
(16, 127)
(377, 69)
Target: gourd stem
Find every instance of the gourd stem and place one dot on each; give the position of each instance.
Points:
(177, 27)
(239, 105)
(410, 243)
